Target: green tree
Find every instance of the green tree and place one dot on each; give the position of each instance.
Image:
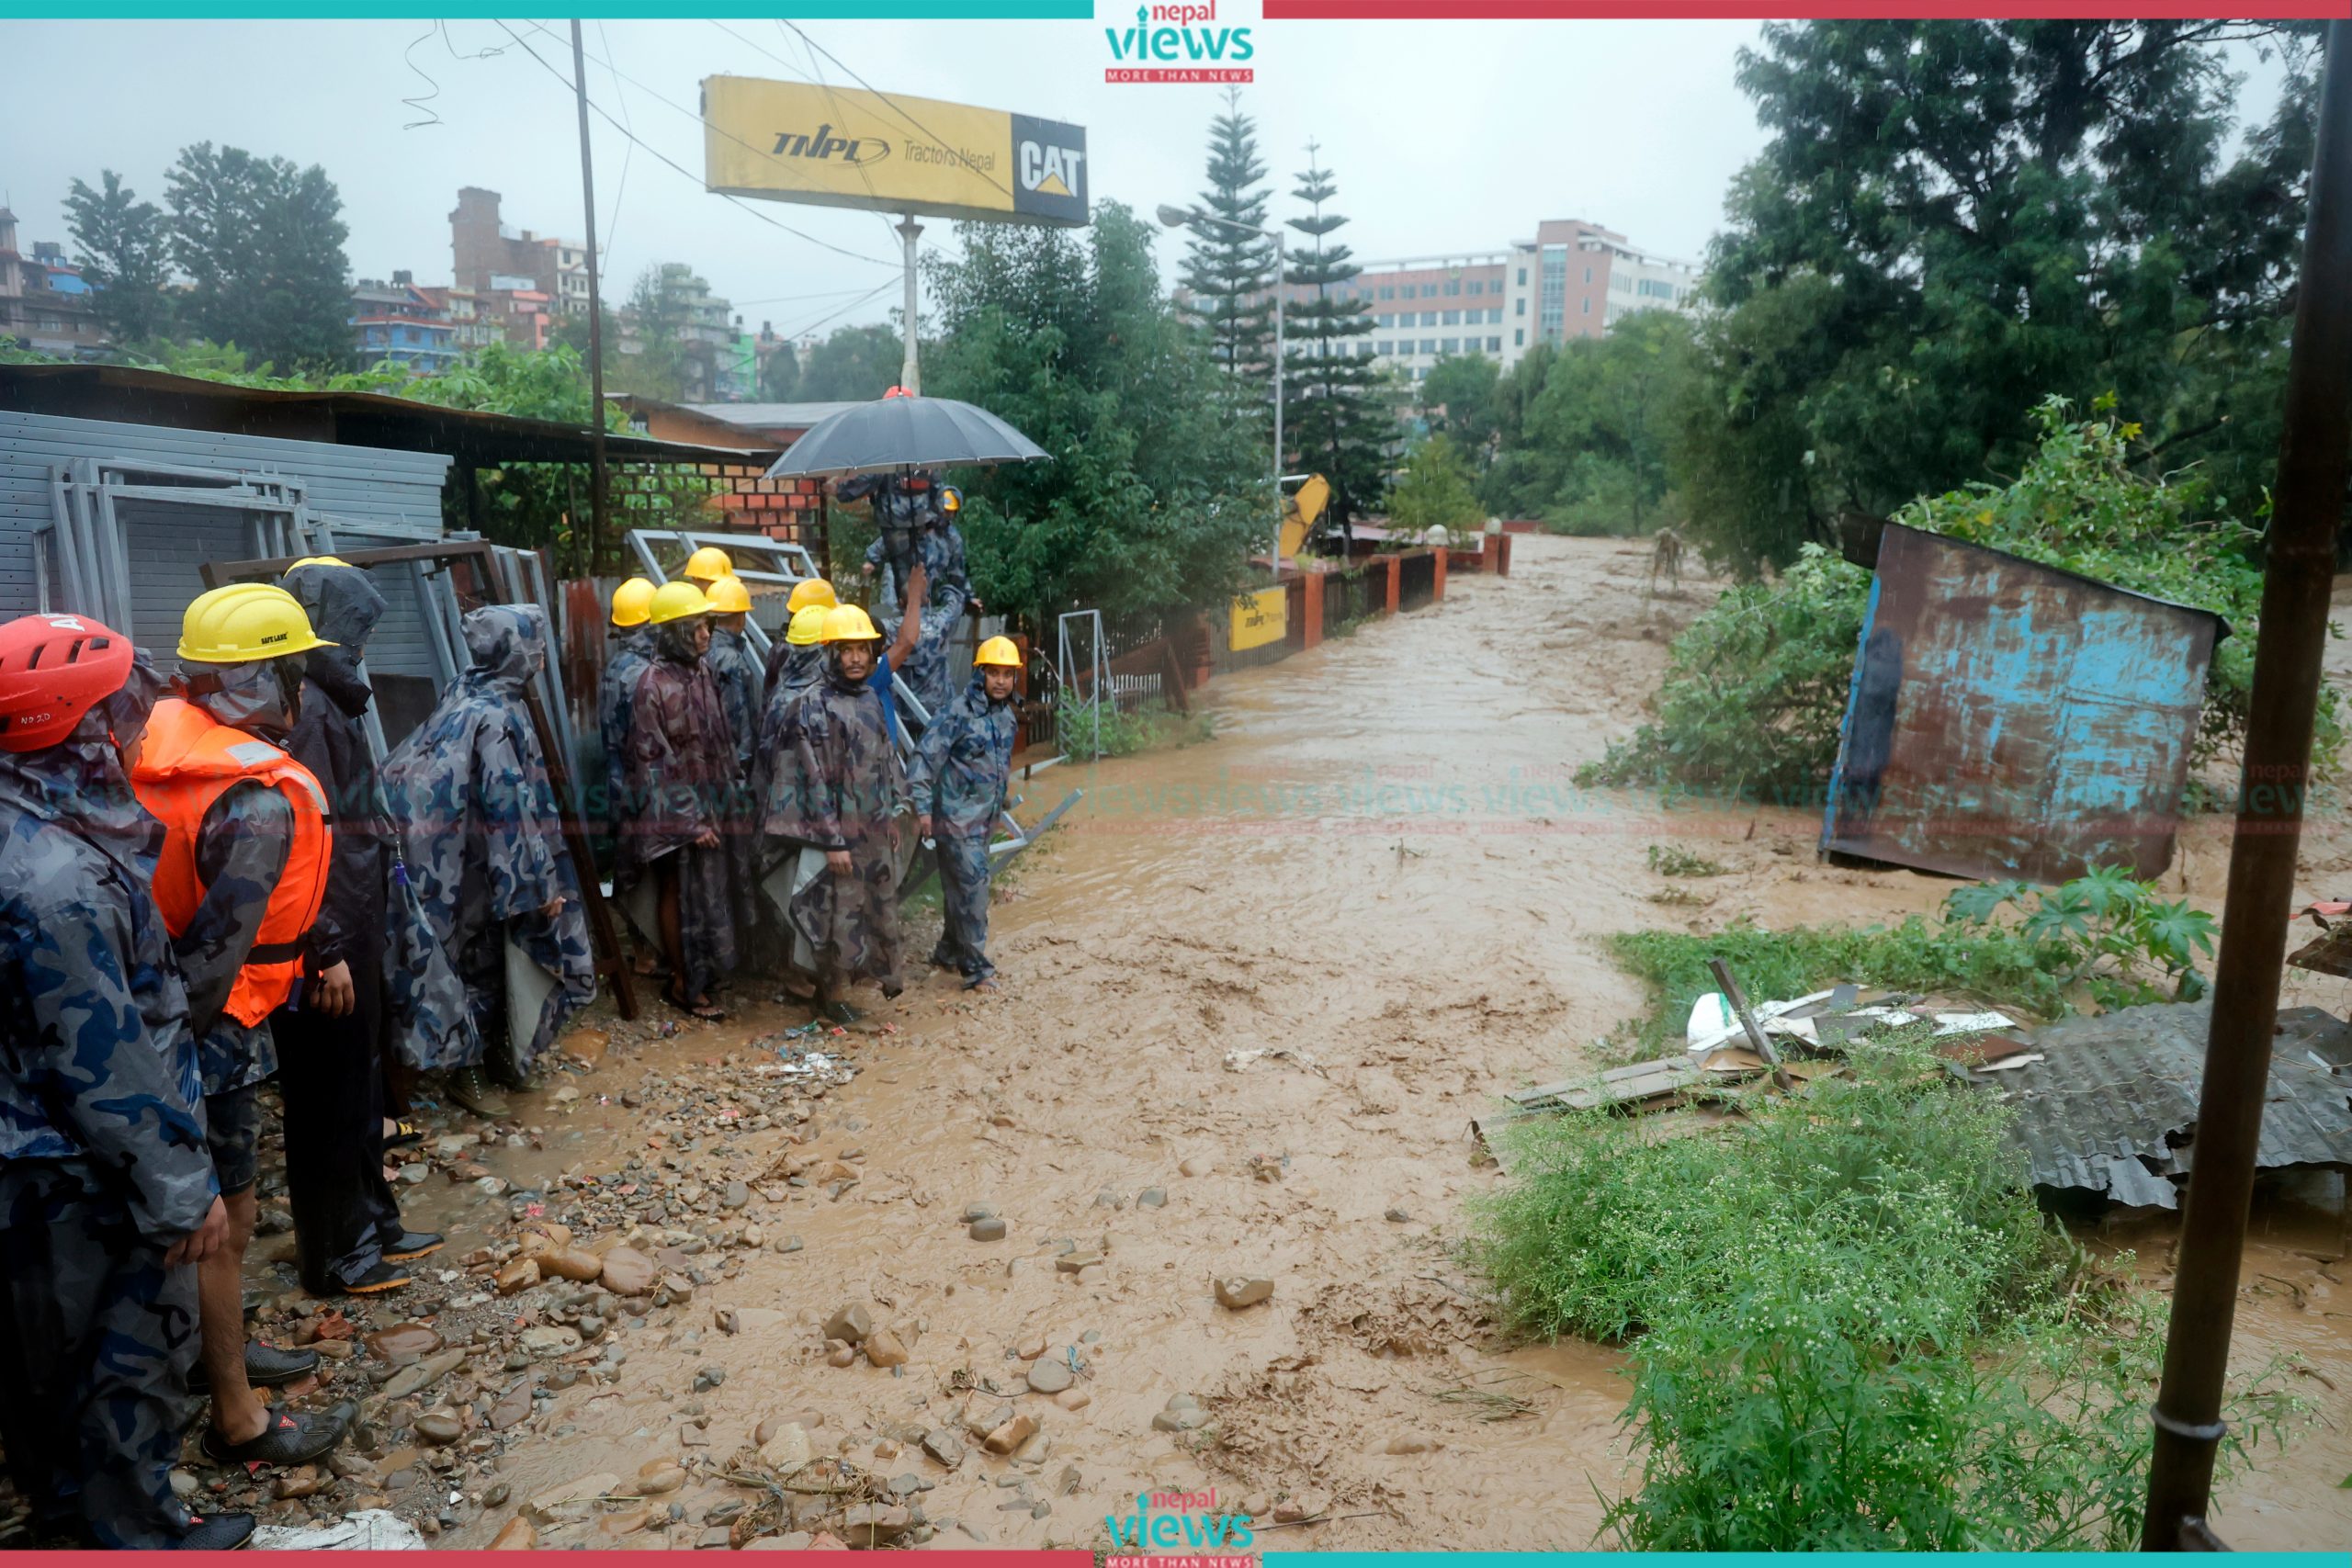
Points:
(1335, 419)
(261, 243)
(780, 376)
(1435, 488)
(123, 246)
(1953, 219)
(1156, 494)
(853, 365)
(1225, 268)
(1457, 397)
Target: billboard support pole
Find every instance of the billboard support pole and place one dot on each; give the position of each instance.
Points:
(911, 372)
(599, 494)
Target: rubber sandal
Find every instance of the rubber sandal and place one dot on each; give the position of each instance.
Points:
(290, 1439)
(710, 1013)
(404, 1134)
(266, 1366)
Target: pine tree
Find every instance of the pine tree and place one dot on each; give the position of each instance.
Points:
(1335, 420)
(1225, 268)
(123, 248)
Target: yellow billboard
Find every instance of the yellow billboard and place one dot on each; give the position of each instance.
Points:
(835, 147)
(1259, 618)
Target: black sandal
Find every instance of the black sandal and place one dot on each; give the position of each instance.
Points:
(709, 1013)
(290, 1439)
(408, 1132)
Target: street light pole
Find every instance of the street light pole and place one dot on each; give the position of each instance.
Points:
(1190, 217)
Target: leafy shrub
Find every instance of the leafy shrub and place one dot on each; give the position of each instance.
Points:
(1858, 1331)
(1668, 861)
(2102, 938)
(1755, 688)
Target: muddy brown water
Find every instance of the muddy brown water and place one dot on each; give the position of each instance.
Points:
(1379, 874)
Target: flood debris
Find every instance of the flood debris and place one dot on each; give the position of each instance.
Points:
(2107, 1105)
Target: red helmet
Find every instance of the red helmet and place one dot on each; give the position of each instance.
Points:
(898, 392)
(54, 668)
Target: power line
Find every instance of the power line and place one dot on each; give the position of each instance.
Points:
(665, 159)
(629, 151)
(960, 155)
(812, 326)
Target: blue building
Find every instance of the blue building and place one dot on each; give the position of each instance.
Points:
(398, 323)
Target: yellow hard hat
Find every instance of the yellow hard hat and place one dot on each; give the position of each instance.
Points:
(676, 602)
(244, 622)
(951, 499)
(729, 596)
(999, 650)
(630, 601)
(847, 623)
(708, 564)
(814, 591)
(317, 561)
(807, 628)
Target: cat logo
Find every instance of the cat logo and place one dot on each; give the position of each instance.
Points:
(1049, 169)
(1043, 168)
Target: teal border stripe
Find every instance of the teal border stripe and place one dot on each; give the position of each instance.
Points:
(377, 10)
(1760, 1559)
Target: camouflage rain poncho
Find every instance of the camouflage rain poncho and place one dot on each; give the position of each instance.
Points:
(470, 791)
(838, 784)
(682, 783)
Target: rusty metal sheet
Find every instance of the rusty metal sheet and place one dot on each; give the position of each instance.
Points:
(2008, 719)
(2111, 1106)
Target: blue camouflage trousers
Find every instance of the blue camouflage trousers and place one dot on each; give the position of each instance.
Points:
(964, 906)
(96, 1340)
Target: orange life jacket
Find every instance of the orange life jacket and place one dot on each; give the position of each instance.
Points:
(186, 762)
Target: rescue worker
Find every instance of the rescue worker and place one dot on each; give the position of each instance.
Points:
(734, 666)
(814, 591)
(682, 779)
(488, 857)
(239, 879)
(107, 1201)
(958, 780)
(839, 790)
(802, 667)
(347, 1231)
(706, 566)
(633, 646)
(924, 579)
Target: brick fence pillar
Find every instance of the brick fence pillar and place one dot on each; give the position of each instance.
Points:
(1394, 563)
(1437, 578)
(1311, 608)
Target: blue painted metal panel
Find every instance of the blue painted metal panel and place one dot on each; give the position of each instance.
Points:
(2008, 719)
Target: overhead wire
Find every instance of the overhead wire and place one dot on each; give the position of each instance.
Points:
(961, 156)
(629, 147)
(658, 155)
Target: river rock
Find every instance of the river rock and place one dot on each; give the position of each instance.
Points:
(1412, 1443)
(1238, 1291)
(851, 1322)
(944, 1446)
(734, 1195)
(513, 1407)
(882, 1349)
(299, 1483)
(629, 1272)
(423, 1374)
(1013, 1434)
(519, 1275)
(841, 1353)
(1047, 1375)
(789, 1447)
(405, 1342)
(628, 1521)
(658, 1475)
(1071, 1262)
(1152, 1197)
(439, 1429)
(570, 1263)
(990, 1229)
(1305, 1506)
(1073, 1399)
(516, 1536)
(1181, 1413)
(549, 1340)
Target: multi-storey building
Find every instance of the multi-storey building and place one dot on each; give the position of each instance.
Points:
(1573, 280)
(45, 304)
(494, 260)
(400, 323)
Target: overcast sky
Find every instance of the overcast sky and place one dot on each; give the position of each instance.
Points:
(1441, 135)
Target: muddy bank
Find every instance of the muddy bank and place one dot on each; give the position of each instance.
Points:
(1255, 990)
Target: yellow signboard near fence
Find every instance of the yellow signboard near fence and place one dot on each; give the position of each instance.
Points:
(839, 147)
(1259, 618)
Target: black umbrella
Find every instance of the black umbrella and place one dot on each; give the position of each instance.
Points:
(903, 432)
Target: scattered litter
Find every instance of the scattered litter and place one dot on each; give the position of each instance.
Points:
(373, 1529)
(1242, 1057)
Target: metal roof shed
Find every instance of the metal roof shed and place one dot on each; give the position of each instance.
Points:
(2010, 720)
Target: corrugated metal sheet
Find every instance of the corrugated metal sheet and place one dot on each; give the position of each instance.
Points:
(2007, 719)
(369, 497)
(2112, 1107)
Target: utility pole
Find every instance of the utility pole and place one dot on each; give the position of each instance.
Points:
(599, 493)
(910, 372)
(2297, 574)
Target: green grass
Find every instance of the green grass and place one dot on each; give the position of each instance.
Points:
(1852, 1329)
(1668, 861)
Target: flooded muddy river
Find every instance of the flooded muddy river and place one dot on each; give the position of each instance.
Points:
(1270, 977)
